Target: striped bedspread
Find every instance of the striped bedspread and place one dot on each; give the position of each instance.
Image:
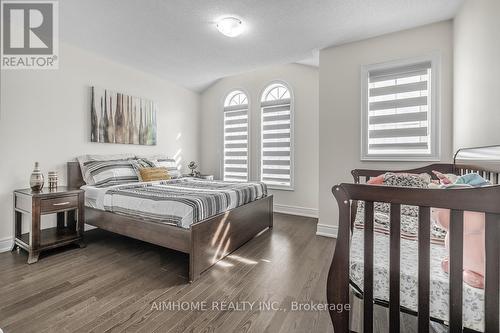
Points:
(181, 202)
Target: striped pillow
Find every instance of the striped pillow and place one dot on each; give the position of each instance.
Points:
(108, 173)
(140, 163)
(171, 166)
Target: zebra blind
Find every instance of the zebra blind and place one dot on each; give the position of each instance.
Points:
(276, 136)
(235, 164)
(399, 111)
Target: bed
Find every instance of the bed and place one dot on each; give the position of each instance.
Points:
(230, 214)
(403, 273)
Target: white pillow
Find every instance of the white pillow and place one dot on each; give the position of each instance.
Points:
(152, 157)
(171, 166)
(108, 157)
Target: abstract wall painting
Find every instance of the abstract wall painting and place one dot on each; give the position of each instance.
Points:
(119, 118)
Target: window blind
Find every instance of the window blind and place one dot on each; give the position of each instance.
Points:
(276, 142)
(236, 143)
(399, 110)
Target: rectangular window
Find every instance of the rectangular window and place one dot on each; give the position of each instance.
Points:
(236, 143)
(399, 111)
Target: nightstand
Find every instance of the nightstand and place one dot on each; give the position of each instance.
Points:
(67, 204)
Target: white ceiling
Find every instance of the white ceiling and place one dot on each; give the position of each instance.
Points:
(178, 40)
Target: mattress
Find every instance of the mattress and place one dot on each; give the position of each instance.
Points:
(181, 202)
(94, 196)
(473, 298)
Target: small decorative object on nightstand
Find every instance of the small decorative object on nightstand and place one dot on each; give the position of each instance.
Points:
(68, 204)
(36, 179)
(192, 165)
(52, 180)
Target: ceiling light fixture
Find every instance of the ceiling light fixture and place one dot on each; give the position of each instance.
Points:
(230, 26)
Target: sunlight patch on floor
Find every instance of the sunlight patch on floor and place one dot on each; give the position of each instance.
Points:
(243, 260)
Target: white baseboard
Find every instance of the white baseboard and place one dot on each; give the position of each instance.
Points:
(327, 230)
(6, 244)
(295, 210)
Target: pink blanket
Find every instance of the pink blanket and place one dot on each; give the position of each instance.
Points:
(474, 245)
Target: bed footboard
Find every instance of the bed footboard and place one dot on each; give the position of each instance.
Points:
(474, 199)
(214, 239)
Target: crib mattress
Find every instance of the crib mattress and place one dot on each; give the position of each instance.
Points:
(473, 298)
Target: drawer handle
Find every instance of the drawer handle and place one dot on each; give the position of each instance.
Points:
(61, 203)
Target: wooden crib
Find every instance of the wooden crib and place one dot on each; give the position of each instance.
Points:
(483, 160)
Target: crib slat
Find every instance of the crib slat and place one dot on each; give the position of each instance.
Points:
(368, 269)
(424, 243)
(492, 281)
(456, 269)
(394, 268)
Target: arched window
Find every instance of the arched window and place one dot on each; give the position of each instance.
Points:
(276, 160)
(235, 163)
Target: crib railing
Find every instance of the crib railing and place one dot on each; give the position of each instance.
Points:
(485, 199)
(491, 175)
(363, 175)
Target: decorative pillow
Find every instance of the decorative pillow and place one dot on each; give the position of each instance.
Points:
(152, 174)
(407, 179)
(108, 173)
(171, 166)
(141, 163)
(401, 179)
(103, 158)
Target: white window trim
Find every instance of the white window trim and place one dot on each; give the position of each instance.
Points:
(435, 59)
(221, 131)
(292, 137)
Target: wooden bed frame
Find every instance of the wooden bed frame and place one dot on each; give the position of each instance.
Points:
(206, 242)
(483, 160)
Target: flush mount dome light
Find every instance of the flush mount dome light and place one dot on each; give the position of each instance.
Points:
(230, 26)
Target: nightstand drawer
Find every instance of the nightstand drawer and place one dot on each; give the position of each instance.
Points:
(58, 204)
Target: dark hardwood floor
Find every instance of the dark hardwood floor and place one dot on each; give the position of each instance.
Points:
(118, 284)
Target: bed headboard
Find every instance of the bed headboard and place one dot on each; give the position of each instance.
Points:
(75, 179)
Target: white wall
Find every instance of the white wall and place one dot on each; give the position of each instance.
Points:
(45, 117)
(340, 102)
(304, 82)
(476, 74)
